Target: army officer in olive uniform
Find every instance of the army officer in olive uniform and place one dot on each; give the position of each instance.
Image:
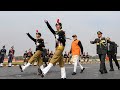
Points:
(101, 44)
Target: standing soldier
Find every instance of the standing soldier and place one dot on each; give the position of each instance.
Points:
(25, 55)
(112, 53)
(76, 51)
(39, 48)
(11, 56)
(101, 43)
(58, 55)
(2, 55)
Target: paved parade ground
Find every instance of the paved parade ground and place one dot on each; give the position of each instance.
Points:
(91, 72)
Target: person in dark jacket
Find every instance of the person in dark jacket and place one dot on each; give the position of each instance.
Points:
(101, 43)
(112, 53)
(2, 55)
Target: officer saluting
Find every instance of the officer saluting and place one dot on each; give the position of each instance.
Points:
(101, 44)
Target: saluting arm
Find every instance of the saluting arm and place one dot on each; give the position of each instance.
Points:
(31, 37)
(93, 42)
(48, 25)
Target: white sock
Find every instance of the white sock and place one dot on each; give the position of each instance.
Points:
(46, 69)
(35, 63)
(1, 64)
(63, 72)
(41, 67)
(75, 65)
(27, 65)
(80, 65)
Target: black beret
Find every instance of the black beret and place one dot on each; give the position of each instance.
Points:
(99, 32)
(74, 35)
(39, 33)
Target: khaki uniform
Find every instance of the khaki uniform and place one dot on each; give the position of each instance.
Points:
(36, 57)
(58, 56)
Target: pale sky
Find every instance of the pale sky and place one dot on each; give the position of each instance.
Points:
(15, 24)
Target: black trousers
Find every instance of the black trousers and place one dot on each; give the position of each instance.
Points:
(1, 58)
(102, 62)
(45, 60)
(10, 59)
(113, 57)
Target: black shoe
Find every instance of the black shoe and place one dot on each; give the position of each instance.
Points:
(20, 68)
(63, 78)
(111, 70)
(105, 71)
(82, 70)
(74, 73)
(40, 72)
(118, 68)
(101, 71)
(45, 65)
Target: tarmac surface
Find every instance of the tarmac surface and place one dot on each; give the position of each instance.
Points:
(91, 72)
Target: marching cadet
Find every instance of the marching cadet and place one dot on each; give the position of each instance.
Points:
(58, 55)
(25, 55)
(2, 55)
(11, 56)
(112, 53)
(37, 56)
(101, 44)
(76, 51)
